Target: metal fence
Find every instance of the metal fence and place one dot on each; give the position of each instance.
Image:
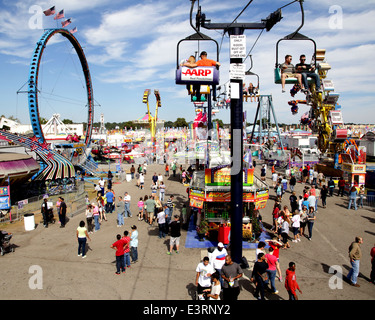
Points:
(74, 199)
(369, 201)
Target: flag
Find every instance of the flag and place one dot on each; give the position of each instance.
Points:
(50, 11)
(66, 22)
(73, 30)
(60, 15)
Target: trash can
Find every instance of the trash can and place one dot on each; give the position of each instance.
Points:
(223, 234)
(29, 221)
(128, 177)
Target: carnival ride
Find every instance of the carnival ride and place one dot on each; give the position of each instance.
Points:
(152, 120)
(324, 117)
(54, 165)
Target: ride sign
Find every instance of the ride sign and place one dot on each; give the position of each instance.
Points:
(237, 46)
(197, 74)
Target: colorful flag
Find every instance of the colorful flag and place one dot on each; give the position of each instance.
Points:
(50, 11)
(60, 15)
(73, 30)
(66, 22)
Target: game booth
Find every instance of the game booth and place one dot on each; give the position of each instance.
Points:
(354, 174)
(210, 196)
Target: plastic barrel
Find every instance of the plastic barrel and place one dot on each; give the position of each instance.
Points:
(29, 221)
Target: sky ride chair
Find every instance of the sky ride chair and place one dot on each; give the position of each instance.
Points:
(203, 76)
(256, 92)
(294, 36)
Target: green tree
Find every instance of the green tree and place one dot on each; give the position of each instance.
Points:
(180, 122)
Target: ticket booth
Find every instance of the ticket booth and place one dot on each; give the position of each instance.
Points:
(353, 173)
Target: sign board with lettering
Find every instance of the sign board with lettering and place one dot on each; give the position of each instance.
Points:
(237, 71)
(238, 46)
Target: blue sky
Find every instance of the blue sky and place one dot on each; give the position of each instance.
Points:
(131, 46)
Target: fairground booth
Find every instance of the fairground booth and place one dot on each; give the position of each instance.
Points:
(354, 173)
(209, 194)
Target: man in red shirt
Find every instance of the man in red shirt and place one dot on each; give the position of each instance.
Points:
(291, 283)
(203, 62)
(126, 240)
(119, 246)
(341, 185)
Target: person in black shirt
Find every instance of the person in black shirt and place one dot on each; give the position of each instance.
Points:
(259, 276)
(307, 70)
(175, 228)
(44, 211)
(62, 212)
(292, 183)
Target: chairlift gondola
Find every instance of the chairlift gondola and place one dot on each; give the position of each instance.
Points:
(293, 36)
(204, 76)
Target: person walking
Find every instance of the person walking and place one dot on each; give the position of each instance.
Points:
(89, 218)
(100, 200)
(96, 215)
(311, 217)
(353, 198)
(260, 276)
(293, 201)
(231, 272)
(323, 195)
(134, 243)
(218, 259)
(303, 220)
(331, 186)
(119, 246)
(292, 183)
(120, 208)
(150, 209)
(141, 181)
(296, 224)
(126, 240)
(291, 284)
(204, 270)
(341, 185)
(215, 288)
(161, 222)
(141, 206)
(82, 237)
(175, 227)
(355, 255)
(132, 171)
(361, 194)
(161, 191)
(44, 211)
(62, 212)
(127, 199)
(273, 266)
(109, 201)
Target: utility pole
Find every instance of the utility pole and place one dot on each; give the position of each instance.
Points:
(235, 29)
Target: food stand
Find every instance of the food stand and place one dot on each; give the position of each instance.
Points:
(210, 193)
(354, 174)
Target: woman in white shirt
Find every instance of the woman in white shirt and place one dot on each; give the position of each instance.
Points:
(296, 220)
(215, 288)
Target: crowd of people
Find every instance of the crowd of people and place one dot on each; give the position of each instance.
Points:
(219, 278)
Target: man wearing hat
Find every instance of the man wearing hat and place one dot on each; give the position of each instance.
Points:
(218, 259)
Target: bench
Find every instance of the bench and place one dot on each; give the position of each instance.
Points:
(287, 80)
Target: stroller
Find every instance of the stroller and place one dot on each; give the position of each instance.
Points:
(5, 242)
